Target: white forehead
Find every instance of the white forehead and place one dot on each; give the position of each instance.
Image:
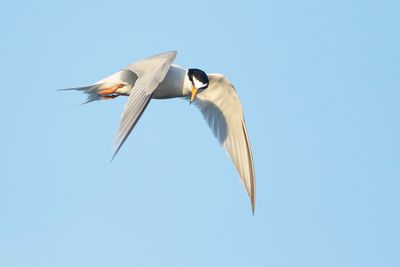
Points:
(198, 84)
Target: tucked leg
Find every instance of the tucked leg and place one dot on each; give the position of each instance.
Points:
(110, 90)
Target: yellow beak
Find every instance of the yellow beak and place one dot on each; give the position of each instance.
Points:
(194, 93)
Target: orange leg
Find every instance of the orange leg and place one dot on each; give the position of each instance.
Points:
(111, 90)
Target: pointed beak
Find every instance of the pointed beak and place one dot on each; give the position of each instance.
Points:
(194, 93)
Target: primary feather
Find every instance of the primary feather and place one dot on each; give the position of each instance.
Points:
(221, 108)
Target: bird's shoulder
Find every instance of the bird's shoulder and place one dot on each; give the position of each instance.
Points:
(149, 64)
(219, 80)
(216, 77)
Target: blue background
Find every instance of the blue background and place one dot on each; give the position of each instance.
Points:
(319, 82)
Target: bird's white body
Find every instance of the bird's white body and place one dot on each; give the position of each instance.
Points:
(155, 77)
(175, 84)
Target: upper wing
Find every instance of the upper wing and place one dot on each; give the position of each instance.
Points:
(221, 108)
(151, 72)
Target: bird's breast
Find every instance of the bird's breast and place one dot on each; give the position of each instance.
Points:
(175, 84)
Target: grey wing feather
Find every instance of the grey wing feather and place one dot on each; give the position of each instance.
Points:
(221, 108)
(151, 72)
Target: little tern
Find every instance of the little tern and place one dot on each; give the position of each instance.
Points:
(156, 77)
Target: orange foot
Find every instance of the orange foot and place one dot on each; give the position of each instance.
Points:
(110, 90)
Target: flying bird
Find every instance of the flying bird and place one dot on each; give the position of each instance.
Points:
(157, 78)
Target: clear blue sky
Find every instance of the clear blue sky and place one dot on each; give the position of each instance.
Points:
(320, 86)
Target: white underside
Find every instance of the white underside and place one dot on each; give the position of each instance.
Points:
(175, 84)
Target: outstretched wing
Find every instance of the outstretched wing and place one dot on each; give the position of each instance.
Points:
(151, 72)
(221, 108)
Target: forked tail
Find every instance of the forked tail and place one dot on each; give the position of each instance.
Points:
(92, 92)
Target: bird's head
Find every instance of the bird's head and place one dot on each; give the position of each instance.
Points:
(199, 82)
